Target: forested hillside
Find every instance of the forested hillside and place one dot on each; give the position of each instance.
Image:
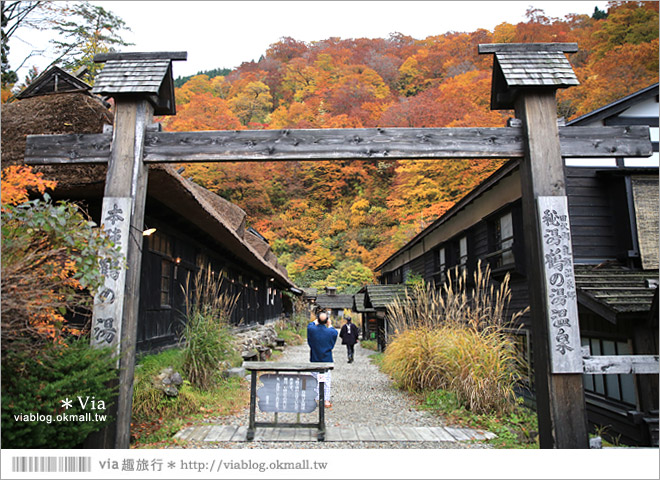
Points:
(332, 223)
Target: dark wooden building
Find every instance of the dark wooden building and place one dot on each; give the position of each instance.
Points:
(372, 301)
(193, 226)
(332, 302)
(613, 207)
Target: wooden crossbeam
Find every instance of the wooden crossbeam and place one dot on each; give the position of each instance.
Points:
(339, 144)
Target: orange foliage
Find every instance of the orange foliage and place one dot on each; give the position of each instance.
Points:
(203, 112)
(311, 211)
(18, 180)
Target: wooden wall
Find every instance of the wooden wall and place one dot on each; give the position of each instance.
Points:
(188, 248)
(597, 207)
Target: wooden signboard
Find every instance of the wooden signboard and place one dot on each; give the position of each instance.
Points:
(559, 285)
(109, 301)
(287, 393)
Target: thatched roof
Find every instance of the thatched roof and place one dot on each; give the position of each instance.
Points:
(197, 206)
(359, 304)
(334, 302)
(614, 291)
(54, 114)
(380, 296)
(81, 113)
(257, 243)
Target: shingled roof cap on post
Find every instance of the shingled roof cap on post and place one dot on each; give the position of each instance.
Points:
(518, 66)
(146, 74)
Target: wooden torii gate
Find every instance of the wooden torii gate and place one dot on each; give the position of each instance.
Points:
(525, 77)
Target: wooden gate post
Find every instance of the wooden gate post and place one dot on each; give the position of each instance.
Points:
(526, 76)
(125, 195)
(560, 399)
(139, 83)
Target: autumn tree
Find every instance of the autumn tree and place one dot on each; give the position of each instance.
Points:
(84, 31)
(49, 263)
(325, 217)
(628, 23)
(253, 103)
(203, 112)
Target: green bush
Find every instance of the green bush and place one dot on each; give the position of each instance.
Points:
(59, 372)
(370, 345)
(294, 329)
(516, 429)
(208, 340)
(157, 417)
(50, 266)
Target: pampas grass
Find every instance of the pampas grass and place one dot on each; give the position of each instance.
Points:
(454, 338)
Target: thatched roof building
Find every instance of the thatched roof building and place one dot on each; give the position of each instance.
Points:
(196, 221)
(78, 113)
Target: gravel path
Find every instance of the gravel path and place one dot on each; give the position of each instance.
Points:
(361, 395)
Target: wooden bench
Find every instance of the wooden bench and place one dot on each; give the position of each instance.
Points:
(287, 374)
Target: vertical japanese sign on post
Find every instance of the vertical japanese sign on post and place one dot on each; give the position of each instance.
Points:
(560, 290)
(109, 301)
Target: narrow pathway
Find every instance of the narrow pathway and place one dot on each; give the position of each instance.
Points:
(364, 401)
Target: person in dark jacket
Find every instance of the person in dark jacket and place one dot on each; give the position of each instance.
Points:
(321, 338)
(349, 337)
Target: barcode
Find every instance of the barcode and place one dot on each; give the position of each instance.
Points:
(51, 464)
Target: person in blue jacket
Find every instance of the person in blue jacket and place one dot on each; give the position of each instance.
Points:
(321, 338)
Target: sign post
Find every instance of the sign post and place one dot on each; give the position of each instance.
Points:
(290, 388)
(561, 407)
(116, 306)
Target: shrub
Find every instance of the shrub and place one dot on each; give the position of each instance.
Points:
(49, 267)
(208, 340)
(69, 370)
(157, 417)
(370, 345)
(294, 329)
(455, 339)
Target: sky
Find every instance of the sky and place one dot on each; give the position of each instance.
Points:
(227, 33)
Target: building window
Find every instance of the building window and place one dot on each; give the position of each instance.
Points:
(502, 247)
(521, 339)
(615, 387)
(505, 239)
(165, 282)
(405, 273)
(462, 253)
(160, 243)
(442, 261)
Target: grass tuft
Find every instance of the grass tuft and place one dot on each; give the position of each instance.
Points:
(208, 340)
(455, 339)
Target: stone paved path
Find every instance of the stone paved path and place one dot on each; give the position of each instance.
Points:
(367, 412)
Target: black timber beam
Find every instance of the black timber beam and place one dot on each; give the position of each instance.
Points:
(339, 144)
